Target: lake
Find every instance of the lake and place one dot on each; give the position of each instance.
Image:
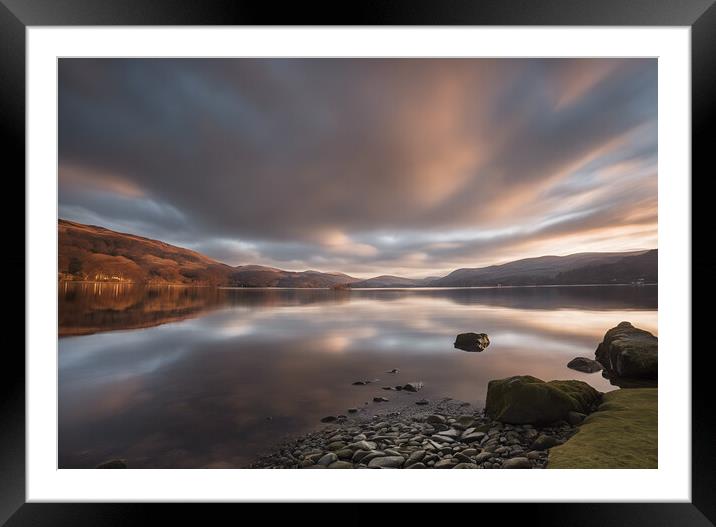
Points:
(196, 377)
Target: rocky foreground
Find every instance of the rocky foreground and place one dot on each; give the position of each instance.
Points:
(444, 434)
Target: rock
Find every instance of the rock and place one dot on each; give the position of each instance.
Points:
(465, 465)
(525, 399)
(451, 433)
(629, 352)
(113, 463)
(543, 442)
(387, 462)
(415, 457)
(517, 462)
(435, 419)
(305, 463)
(472, 341)
(422, 402)
(363, 445)
(361, 383)
(344, 453)
(352, 410)
(575, 418)
(471, 438)
(417, 465)
(388, 388)
(341, 464)
(328, 419)
(466, 420)
(470, 452)
(315, 466)
(380, 400)
(394, 370)
(445, 463)
(413, 386)
(399, 388)
(327, 459)
(336, 445)
(584, 365)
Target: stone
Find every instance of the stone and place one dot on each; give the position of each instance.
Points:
(113, 463)
(422, 402)
(472, 341)
(413, 386)
(327, 459)
(484, 456)
(470, 452)
(361, 383)
(584, 365)
(517, 462)
(344, 453)
(387, 462)
(473, 437)
(352, 410)
(305, 463)
(336, 445)
(328, 419)
(451, 432)
(465, 465)
(387, 387)
(380, 400)
(543, 442)
(524, 399)
(435, 419)
(363, 445)
(445, 463)
(341, 464)
(394, 370)
(629, 352)
(415, 457)
(417, 465)
(575, 418)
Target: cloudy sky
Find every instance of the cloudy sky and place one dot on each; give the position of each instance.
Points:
(367, 166)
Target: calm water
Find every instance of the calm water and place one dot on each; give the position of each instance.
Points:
(181, 377)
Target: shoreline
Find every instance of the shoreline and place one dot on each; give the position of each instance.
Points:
(445, 433)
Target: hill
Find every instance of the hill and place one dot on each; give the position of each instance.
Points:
(547, 270)
(91, 253)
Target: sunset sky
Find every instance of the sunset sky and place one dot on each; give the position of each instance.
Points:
(412, 167)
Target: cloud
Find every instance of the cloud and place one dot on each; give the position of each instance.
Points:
(363, 165)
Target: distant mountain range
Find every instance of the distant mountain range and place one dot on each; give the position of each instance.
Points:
(91, 253)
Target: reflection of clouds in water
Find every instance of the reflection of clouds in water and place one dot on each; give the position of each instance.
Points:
(198, 393)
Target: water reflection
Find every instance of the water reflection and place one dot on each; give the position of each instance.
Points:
(245, 367)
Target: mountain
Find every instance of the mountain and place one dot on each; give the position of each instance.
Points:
(91, 253)
(88, 252)
(393, 281)
(626, 270)
(603, 268)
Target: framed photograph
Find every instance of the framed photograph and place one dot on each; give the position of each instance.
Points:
(263, 246)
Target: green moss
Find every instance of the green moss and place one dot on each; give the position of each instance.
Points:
(526, 399)
(622, 433)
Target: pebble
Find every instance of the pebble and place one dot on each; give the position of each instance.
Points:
(440, 434)
(387, 462)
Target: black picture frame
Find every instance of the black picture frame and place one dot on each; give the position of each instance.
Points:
(700, 15)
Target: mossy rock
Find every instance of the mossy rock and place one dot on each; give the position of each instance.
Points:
(528, 400)
(629, 352)
(622, 433)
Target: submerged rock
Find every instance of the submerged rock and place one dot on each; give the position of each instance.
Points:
(527, 400)
(629, 352)
(472, 341)
(584, 365)
(380, 400)
(328, 419)
(413, 386)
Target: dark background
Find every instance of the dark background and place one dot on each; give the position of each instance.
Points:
(15, 15)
